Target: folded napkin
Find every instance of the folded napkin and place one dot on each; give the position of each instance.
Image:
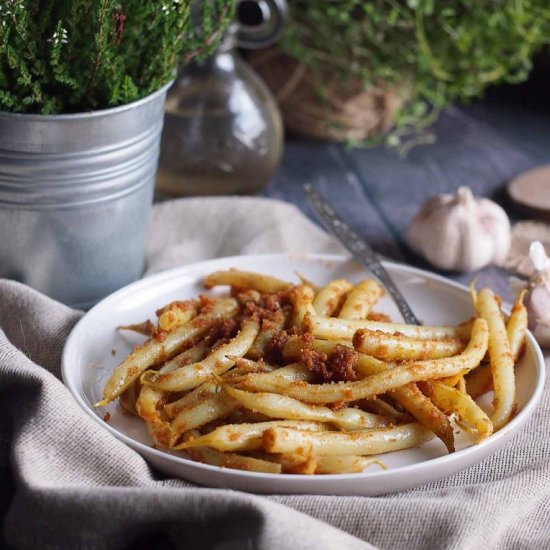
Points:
(67, 483)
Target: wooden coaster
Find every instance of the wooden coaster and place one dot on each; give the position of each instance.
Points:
(530, 192)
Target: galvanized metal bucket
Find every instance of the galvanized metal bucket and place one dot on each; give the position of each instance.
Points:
(75, 196)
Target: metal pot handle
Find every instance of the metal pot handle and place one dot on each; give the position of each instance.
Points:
(260, 22)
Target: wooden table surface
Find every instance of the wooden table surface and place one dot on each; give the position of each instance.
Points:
(483, 146)
(378, 191)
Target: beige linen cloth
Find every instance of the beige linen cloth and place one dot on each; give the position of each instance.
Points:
(79, 487)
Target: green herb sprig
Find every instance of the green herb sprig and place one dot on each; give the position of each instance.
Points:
(65, 56)
(447, 50)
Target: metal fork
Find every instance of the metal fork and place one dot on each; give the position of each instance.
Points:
(359, 249)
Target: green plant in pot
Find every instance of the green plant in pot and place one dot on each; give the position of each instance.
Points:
(353, 69)
(82, 88)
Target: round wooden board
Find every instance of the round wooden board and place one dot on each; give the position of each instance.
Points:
(530, 191)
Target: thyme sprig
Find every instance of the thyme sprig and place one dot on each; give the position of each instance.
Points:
(447, 50)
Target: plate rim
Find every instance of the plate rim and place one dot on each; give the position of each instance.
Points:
(491, 443)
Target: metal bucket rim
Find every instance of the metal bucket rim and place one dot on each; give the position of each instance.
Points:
(88, 114)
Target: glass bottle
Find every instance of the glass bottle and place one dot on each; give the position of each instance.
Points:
(223, 132)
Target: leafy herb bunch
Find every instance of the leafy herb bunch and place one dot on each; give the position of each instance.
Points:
(447, 49)
(63, 56)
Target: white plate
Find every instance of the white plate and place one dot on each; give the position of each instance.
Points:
(88, 362)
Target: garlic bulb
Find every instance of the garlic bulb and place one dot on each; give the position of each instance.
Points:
(537, 299)
(461, 232)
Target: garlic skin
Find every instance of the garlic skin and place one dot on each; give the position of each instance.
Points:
(461, 232)
(537, 299)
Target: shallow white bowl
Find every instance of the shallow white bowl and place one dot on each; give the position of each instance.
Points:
(94, 348)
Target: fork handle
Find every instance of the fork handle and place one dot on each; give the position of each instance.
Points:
(359, 249)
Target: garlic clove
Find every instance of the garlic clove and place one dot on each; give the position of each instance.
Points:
(443, 243)
(498, 224)
(538, 306)
(537, 299)
(538, 256)
(460, 232)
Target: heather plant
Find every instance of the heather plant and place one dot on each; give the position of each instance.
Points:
(65, 56)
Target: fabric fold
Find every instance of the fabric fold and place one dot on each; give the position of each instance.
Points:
(77, 486)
